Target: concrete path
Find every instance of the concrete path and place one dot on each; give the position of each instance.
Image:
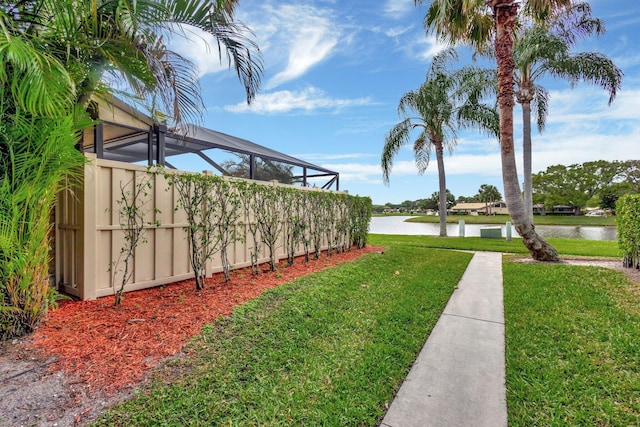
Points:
(459, 377)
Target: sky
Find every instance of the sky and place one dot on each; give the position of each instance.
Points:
(334, 72)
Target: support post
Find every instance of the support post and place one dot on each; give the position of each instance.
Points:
(160, 131)
(98, 140)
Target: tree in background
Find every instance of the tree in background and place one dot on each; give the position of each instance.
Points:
(578, 184)
(488, 194)
(433, 202)
(265, 170)
(446, 101)
(545, 49)
(479, 23)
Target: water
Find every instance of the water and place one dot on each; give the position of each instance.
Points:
(397, 225)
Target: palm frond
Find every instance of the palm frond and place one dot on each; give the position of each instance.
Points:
(540, 105)
(397, 137)
(422, 148)
(591, 67)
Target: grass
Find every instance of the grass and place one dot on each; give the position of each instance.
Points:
(573, 352)
(332, 348)
(566, 247)
(596, 221)
(327, 349)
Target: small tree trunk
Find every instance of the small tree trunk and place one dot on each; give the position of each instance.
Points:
(442, 201)
(526, 157)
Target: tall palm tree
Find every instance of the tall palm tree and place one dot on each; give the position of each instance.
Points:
(545, 49)
(444, 102)
(478, 23)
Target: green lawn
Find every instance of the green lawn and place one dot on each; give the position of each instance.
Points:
(327, 349)
(566, 247)
(573, 346)
(331, 348)
(609, 221)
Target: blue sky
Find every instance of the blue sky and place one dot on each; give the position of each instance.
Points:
(334, 72)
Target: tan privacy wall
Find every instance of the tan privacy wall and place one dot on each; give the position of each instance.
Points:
(89, 237)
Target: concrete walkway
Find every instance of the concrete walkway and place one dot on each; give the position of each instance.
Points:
(459, 377)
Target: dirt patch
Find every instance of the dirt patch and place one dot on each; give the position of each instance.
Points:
(88, 354)
(632, 274)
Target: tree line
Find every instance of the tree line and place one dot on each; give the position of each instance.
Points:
(590, 184)
(486, 194)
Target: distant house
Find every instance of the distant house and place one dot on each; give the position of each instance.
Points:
(495, 208)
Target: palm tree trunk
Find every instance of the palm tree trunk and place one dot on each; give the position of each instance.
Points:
(505, 12)
(526, 159)
(442, 201)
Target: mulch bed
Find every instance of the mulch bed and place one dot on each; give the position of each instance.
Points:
(111, 349)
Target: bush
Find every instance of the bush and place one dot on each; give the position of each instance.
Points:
(628, 222)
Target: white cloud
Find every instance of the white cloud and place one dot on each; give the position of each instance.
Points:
(396, 9)
(285, 101)
(320, 157)
(357, 172)
(426, 47)
(296, 37)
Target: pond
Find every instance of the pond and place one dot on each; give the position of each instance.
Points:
(397, 225)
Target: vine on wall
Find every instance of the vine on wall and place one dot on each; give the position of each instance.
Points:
(132, 212)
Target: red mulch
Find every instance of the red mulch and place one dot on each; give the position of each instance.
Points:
(110, 349)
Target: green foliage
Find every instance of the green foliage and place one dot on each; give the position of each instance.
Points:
(576, 184)
(229, 206)
(197, 197)
(75, 43)
(433, 201)
(273, 215)
(628, 221)
(132, 214)
(36, 155)
(270, 218)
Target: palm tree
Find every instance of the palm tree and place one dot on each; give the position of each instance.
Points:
(54, 55)
(444, 102)
(488, 194)
(478, 23)
(542, 49)
(126, 39)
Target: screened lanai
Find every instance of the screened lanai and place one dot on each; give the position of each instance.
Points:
(127, 135)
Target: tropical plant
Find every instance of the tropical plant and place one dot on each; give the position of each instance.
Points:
(488, 194)
(545, 49)
(445, 101)
(478, 23)
(28, 187)
(54, 54)
(126, 41)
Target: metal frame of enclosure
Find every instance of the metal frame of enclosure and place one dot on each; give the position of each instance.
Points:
(124, 134)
